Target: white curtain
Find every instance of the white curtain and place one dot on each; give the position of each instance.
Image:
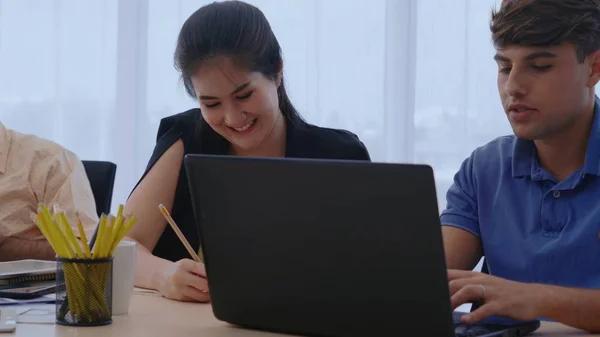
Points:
(415, 79)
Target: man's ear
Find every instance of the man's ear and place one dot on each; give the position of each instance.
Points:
(594, 71)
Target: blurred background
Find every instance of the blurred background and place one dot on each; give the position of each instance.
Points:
(415, 79)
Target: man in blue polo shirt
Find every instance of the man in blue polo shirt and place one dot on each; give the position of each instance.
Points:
(530, 202)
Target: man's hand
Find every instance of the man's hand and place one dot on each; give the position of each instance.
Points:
(497, 296)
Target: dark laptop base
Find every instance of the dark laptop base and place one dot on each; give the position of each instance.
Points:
(460, 329)
(483, 329)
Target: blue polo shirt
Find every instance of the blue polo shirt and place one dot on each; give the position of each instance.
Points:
(533, 228)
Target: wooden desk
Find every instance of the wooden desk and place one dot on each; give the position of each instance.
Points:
(150, 315)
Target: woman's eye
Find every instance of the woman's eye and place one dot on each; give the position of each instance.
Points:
(245, 96)
(213, 105)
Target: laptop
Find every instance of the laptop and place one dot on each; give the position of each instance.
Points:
(325, 247)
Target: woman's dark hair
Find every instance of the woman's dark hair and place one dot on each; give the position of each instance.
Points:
(234, 29)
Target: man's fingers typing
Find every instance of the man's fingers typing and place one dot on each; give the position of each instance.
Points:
(484, 311)
(458, 284)
(467, 294)
(454, 274)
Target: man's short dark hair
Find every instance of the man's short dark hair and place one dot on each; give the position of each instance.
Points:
(547, 23)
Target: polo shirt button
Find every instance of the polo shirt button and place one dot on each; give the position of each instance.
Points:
(556, 194)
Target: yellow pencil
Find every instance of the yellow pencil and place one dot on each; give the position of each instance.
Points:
(82, 237)
(182, 238)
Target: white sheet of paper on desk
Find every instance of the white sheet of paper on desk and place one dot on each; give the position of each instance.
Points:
(36, 314)
(37, 317)
(42, 299)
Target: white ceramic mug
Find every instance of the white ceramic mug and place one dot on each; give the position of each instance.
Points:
(123, 276)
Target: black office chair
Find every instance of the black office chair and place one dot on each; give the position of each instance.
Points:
(101, 175)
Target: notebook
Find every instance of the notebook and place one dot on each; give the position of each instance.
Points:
(21, 271)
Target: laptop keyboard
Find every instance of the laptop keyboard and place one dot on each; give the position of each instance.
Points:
(470, 331)
(463, 330)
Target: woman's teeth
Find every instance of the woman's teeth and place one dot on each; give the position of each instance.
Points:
(245, 127)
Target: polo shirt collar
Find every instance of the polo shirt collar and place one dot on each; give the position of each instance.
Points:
(524, 159)
(592, 155)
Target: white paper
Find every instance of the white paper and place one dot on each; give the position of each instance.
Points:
(39, 314)
(50, 298)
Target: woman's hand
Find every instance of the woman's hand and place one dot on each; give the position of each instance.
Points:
(185, 280)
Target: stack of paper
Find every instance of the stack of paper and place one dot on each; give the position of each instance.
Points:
(50, 298)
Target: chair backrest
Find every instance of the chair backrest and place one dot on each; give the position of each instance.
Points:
(101, 175)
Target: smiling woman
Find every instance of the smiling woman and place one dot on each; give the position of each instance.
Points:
(231, 63)
(243, 106)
